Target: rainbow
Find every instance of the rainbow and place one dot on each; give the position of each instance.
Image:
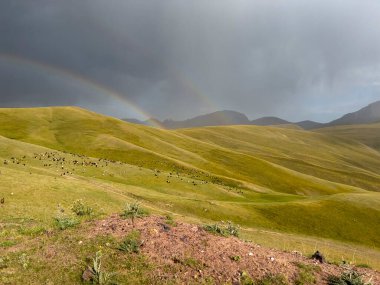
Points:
(87, 82)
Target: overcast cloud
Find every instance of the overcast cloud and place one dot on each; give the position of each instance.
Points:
(313, 59)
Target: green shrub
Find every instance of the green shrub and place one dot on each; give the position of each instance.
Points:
(350, 277)
(81, 209)
(65, 222)
(223, 229)
(131, 243)
(133, 211)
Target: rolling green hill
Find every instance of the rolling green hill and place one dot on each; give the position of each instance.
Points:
(274, 179)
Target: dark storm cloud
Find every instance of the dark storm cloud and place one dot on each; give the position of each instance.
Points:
(294, 59)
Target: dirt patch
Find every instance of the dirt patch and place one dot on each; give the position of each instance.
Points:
(195, 254)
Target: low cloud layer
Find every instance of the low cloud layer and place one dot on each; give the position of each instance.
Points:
(176, 59)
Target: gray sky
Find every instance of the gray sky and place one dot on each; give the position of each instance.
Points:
(315, 59)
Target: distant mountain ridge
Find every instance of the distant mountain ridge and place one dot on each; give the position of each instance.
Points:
(219, 118)
(366, 115)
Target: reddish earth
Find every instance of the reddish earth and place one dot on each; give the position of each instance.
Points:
(171, 247)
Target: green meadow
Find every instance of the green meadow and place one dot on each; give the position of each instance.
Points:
(287, 188)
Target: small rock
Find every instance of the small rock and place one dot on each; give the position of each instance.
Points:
(250, 254)
(194, 229)
(88, 275)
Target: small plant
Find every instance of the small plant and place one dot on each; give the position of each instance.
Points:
(232, 229)
(350, 277)
(228, 229)
(23, 260)
(96, 273)
(215, 229)
(81, 209)
(131, 243)
(235, 258)
(4, 262)
(133, 211)
(64, 221)
(271, 279)
(170, 220)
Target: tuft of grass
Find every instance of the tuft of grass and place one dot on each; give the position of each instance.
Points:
(272, 279)
(246, 279)
(306, 274)
(169, 220)
(193, 263)
(190, 262)
(363, 265)
(131, 243)
(7, 243)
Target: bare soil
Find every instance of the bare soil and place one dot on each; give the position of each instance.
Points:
(195, 254)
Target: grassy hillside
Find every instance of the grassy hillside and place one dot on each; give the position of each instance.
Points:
(366, 134)
(317, 155)
(276, 180)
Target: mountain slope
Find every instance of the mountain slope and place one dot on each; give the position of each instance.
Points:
(77, 130)
(366, 115)
(269, 121)
(309, 125)
(256, 176)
